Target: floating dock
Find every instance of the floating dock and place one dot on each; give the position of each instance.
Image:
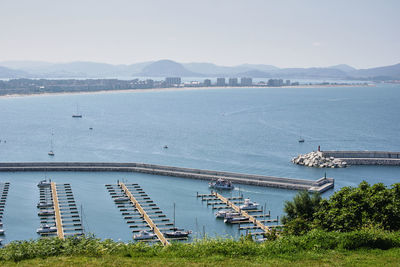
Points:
(4, 193)
(61, 211)
(255, 218)
(319, 185)
(140, 212)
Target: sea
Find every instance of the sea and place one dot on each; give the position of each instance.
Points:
(246, 130)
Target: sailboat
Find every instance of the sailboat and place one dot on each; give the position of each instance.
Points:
(51, 153)
(176, 233)
(301, 140)
(77, 114)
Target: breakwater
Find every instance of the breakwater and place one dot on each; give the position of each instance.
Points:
(320, 185)
(340, 159)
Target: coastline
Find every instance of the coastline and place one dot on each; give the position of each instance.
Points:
(176, 89)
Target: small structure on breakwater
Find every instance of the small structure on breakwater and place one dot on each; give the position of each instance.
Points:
(340, 159)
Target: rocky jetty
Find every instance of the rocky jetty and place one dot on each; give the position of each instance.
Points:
(317, 160)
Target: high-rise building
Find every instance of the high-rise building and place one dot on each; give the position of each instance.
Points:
(233, 82)
(172, 81)
(207, 82)
(220, 81)
(245, 81)
(287, 83)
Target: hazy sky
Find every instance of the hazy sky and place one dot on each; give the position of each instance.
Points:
(362, 33)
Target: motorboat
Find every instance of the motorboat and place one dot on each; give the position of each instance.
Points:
(44, 183)
(221, 184)
(165, 146)
(223, 213)
(46, 212)
(177, 234)
(121, 199)
(50, 153)
(143, 235)
(44, 205)
(1, 232)
(248, 205)
(233, 219)
(45, 228)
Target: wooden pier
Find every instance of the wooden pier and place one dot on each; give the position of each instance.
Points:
(4, 192)
(140, 212)
(255, 219)
(61, 211)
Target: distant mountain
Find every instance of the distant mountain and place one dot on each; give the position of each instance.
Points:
(215, 70)
(314, 73)
(381, 73)
(6, 73)
(164, 68)
(343, 67)
(254, 74)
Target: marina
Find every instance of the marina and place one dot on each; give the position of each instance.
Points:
(142, 214)
(57, 210)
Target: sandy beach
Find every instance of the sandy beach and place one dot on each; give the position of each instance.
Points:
(176, 89)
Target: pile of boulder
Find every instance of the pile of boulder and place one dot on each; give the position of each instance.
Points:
(317, 160)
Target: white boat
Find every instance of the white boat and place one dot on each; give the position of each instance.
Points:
(1, 232)
(248, 205)
(232, 219)
(177, 234)
(46, 212)
(223, 213)
(44, 205)
(51, 152)
(45, 228)
(121, 199)
(221, 184)
(44, 183)
(143, 235)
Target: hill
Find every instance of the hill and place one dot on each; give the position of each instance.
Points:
(164, 68)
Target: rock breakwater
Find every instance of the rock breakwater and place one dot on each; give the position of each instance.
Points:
(317, 160)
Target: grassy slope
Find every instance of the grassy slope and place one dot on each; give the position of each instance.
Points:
(367, 257)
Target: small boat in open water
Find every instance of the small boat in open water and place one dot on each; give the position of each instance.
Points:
(143, 235)
(221, 184)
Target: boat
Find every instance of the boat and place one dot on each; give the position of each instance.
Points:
(177, 234)
(90, 128)
(143, 235)
(232, 219)
(77, 114)
(51, 152)
(46, 212)
(165, 146)
(121, 199)
(301, 140)
(44, 183)
(221, 184)
(248, 205)
(223, 213)
(45, 228)
(44, 205)
(1, 232)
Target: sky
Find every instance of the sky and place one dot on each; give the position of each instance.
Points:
(284, 33)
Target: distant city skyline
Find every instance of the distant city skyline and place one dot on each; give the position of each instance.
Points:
(310, 33)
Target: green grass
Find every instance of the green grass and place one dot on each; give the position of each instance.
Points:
(366, 247)
(364, 257)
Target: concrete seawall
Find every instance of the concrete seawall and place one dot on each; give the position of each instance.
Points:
(320, 185)
(365, 157)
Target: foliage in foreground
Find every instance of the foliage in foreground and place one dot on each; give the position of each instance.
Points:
(348, 209)
(315, 240)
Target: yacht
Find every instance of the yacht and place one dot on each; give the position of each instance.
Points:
(1, 232)
(121, 199)
(248, 205)
(45, 228)
(51, 153)
(233, 219)
(44, 183)
(221, 184)
(301, 140)
(224, 213)
(177, 234)
(46, 212)
(143, 235)
(44, 205)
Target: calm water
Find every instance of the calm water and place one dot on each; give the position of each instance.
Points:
(242, 130)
